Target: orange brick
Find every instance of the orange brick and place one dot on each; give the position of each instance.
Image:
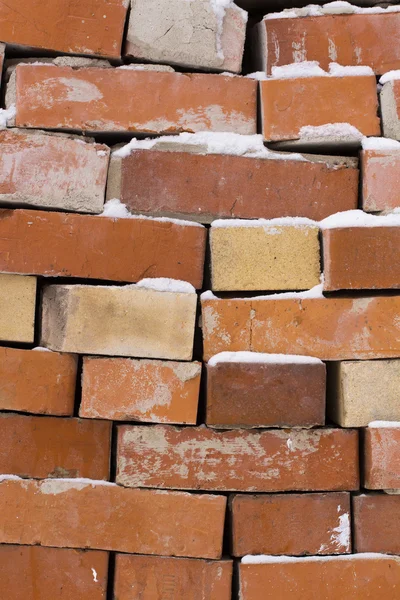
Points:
(382, 457)
(83, 27)
(390, 109)
(376, 526)
(264, 461)
(328, 328)
(380, 179)
(151, 248)
(50, 574)
(152, 391)
(123, 100)
(37, 382)
(42, 447)
(157, 578)
(100, 515)
(280, 524)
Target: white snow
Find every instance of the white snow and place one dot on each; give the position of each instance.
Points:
(311, 68)
(258, 75)
(315, 292)
(332, 8)
(41, 349)
(379, 143)
(115, 209)
(263, 559)
(260, 357)
(358, 218)
(163, 284)
(336, 70)
(58, 486)
(10, 478)
(6, 114)
(389, 76)
(384, 424)
(265, 223)
(329, 130)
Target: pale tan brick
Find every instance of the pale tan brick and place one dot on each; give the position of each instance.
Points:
(17, 308)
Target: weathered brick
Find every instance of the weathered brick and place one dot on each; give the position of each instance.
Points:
(242, 391)
(357, 389)
(264, 255)
(50, 573)
(152, 391)
(376, 523)
(52, 171)
(37, 382)
(124, 321)
(151, 248)
(158, 578)
(43, 447)
(96, 99)
(105, 516)
(380, 179)
(263, 461)
(357, 577)
(293, 524)
(328, 328)
(390, 109)
(17, 308)
(83, 27)
(382, 456)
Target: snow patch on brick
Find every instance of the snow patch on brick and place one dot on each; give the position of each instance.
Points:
(262, 559)
(379, 143)
(332, 8)
(115, 209)
(384, 424)
(59, 486)
(261, 358)
(268, 224)
(164, 284)
(389, 76)
(358, 218)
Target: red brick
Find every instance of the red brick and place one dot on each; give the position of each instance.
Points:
(52, 574)
(83, 27)
(361, 258)
(382, 458)
(328, 328)
(366, 39)
(332, 578)
(151, 391)
(287, 105)
(54, 447)
(380, 179)
(105, 516)
(293, 524)
(151, 248)
(123, 100)
(52, 171)
(254, 461)
(376, 523)
(159, 578)
(149, 183)
(37, 382)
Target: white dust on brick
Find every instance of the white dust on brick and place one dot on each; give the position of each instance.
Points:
(271, 226)
(311, 68)
(264, 559)
(115, 209)
(261, 358)
(59, 486)
(340, 535)
(332, 8)
(220, 7)
(6, 115)
(331, 130)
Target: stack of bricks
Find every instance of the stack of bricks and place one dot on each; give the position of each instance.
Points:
(199, 324)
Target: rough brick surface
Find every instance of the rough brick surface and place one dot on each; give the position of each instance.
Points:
(17, 308)
(124, 321)
(95, 99)
(293, 524)
(152, 391)
(43, 447)
(149, 183)
(151, 248)
(328, 328)
(358, 389)
(49, 573)
(380, 179)
(382, 458)
(37, 382)
(376, 523)
(265, 394)
(265, 461)
(390, 108)
(83, 27)
(158, 578)
(52, 171)
(81, 514)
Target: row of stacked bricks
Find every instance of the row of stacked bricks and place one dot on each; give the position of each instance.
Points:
(159, 441)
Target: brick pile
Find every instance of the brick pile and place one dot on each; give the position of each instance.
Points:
(200, 322)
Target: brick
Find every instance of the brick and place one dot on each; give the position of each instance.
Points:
(288, 105)
(265, 394)
(390, 109)
(281, 524)
(149, 183)
(105, 516)
(265, 257)
(49, 573)
(357, 392)
(328, 328)
(366, 39)
(173, 32)
(17, 308)
(264, 461)
(332, 578)
(376, 523)
(2, 53)
(37, 382)
(157, 578)
(52, 171)
(151, 248)
(124, 321)
(152, 391)
(80, 27)
(95, 99)
(382, 457)
(43, 447)
(380, 179)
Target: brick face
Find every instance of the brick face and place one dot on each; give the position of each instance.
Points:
(381, 458)
(376, 523)
(380, 179)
